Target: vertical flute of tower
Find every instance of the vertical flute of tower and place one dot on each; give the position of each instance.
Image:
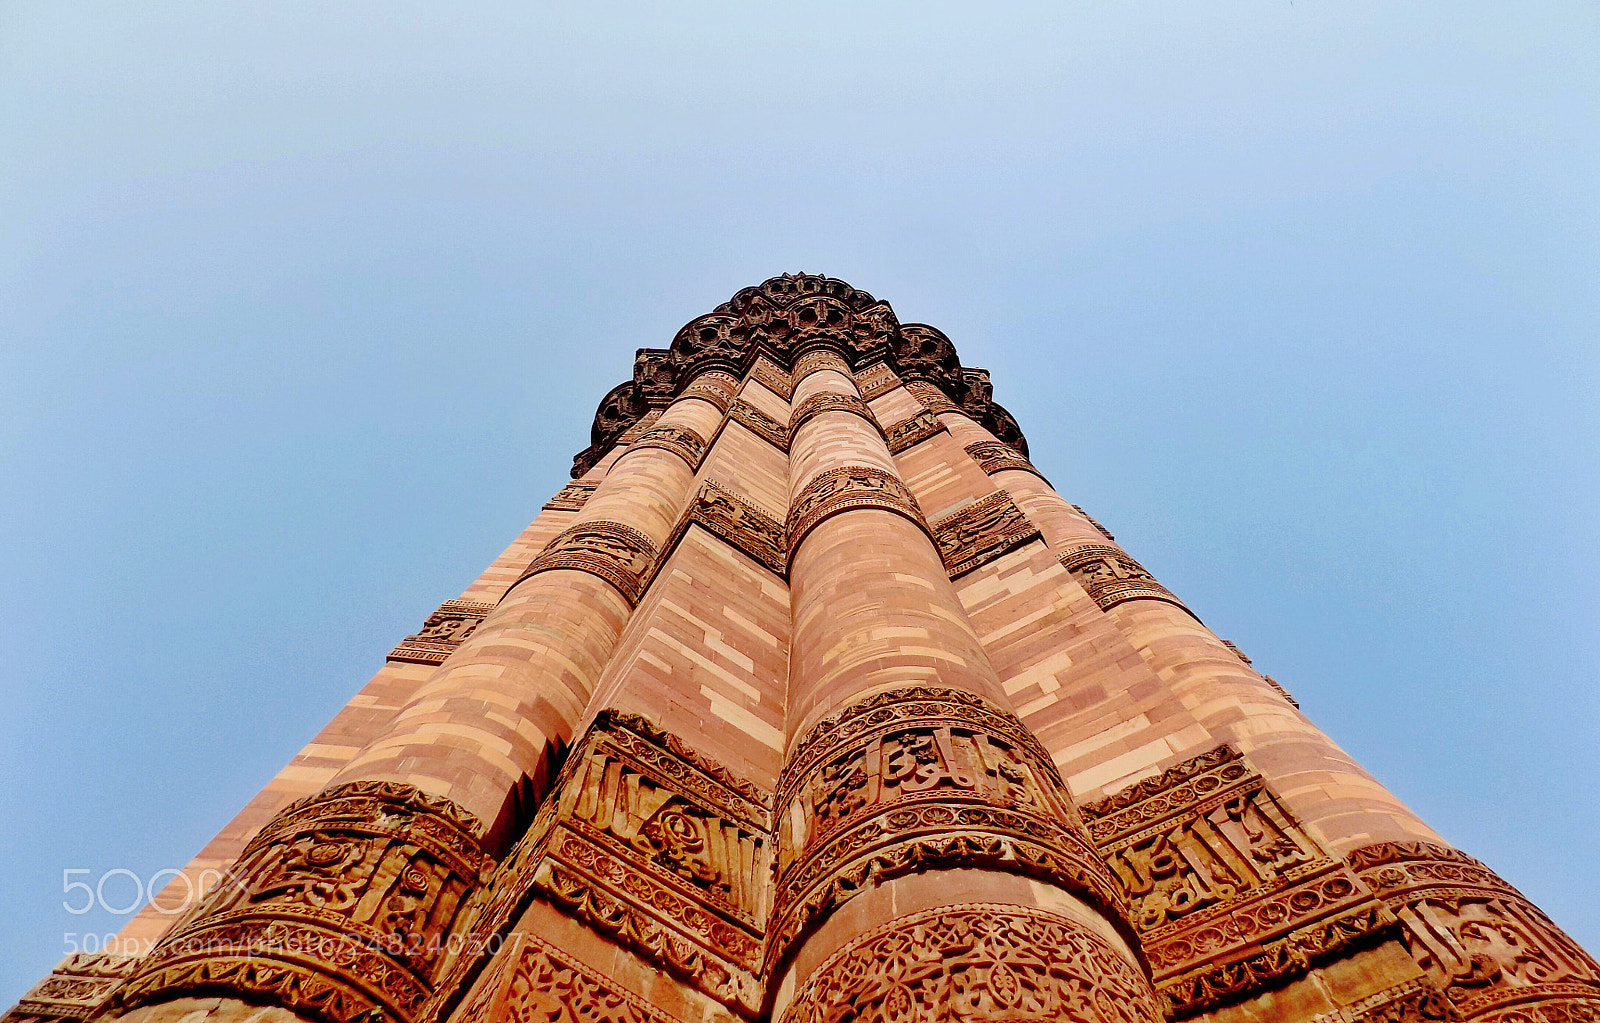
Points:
(899, 727)
(1218, 690)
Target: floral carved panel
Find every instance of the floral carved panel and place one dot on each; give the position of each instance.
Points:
(442, 632)
(75, 989)
(1229, 894)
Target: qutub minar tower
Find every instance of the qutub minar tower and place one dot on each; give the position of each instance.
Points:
(810, 700)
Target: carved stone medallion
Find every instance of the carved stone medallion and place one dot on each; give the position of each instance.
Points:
(617, 553)
(740, 524)
(1111, 577)
(981, 532)
(345, 904)
(1491, 951)
(976, 963)
(917, 779)
(1230, 895)
(993, 456)
(817, 404)
(572, 496)
(760, 424)
(911, 432)
(851, 486)
(442, 632)
(679, 440)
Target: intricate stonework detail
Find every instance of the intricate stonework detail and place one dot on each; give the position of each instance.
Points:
(442, 632)
(976, 964)
(617, 553)
(838, 490)
(346, 903)
(1491, 951)
(546, 985)
(993, 456)
(679, 440)
(918, 779)
(981, 532)
(742, 525)
(75, 990)
(820, 359)
(1415, 1001)
(911, 432)
(876, 380)
(760, 424)
(714, 388)
(1229, 894)
(817, 404)
(1094, 522)
(637, 430)
(768, 375)
(572, 496)
(1111, 577)
(666, 853)
(932, 397)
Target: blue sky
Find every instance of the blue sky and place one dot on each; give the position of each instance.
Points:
(305, 307)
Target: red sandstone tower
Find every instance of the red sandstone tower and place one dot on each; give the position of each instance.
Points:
(810, 700)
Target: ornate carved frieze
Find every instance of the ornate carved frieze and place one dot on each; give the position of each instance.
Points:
(666, 853)
(742, 525)
(876, 380)
(917, 779)
(760, 424)
(932, 398)
(346, 904)
(542, 984)
(442, 632)
(817, 404)
(819, 359)
(767, 373)
(1491, 951)
(976, 963)
(981, 532)
(679, 440)
(1093, 522)
(993, 456)
(1415, 1001)
(909, 433)
(715, 388)
(853, 486)
(637, 430)
(572, 496)
(617, 553)
(1111, 577)
(1230, 895)
(75, 990)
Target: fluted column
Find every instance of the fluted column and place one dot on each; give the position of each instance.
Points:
(928, 853)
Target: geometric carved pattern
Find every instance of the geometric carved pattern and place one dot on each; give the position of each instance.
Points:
(981, 532)
(75, 989)
(820, 359)
(572, 496)
(932, 397)
(837, 490)
(1111, 577)
(617, 553)
(976, 964)
(876, 380)
(345, 903)
(911, 432)
(817, 404)
(740, 524)
(546, 985)
(1230, 896)
(993, 456)
(916, 779)
(1491, 951)
(441, 633)
(760, 424)
(665, 852)
(714, 388)
(683, 442)
(773, 378)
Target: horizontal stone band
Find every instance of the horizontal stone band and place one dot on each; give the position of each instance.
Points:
(617, 553)
(681, 441)
(817, 404)
(846, 488)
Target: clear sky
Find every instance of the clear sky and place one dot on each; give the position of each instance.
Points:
(304, 308)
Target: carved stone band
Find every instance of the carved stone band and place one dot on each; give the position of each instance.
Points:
(932, 398)
(981, 532)
(619, 554)
(842, 489)
(976, 963)
(817, 404)
(75, 989)
(713, 388)
(1476, 937)
(772, 378)
(572, 496)
(543, 983)
(740, 524)
(819, 359)
(876, 380)
(760, 424)
(442, 632)
(346, 903)
(917, 779)
(993, 456)
(1110, 577)
(679, 440)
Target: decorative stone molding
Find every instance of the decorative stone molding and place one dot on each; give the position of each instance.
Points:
(663, 851)
(767, 374)
(918, 779)
(1110, 577)
(617, 553)
(1491, 951)
(976, 963)
(1093, 522)
(760, 424)
(717, 389)
(542, 984)
(909, 433)
(738, 523)
(876, 380)
(1415, 1001)
(637, 430)
(681, 441)
(344, 905)
(845, 488)
(981, 532)
(572, 496)
(932, 398)
(75, 990)
(819, 359)
(817, 404)
(1230, 895)
(993, 456)
(442, 632)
